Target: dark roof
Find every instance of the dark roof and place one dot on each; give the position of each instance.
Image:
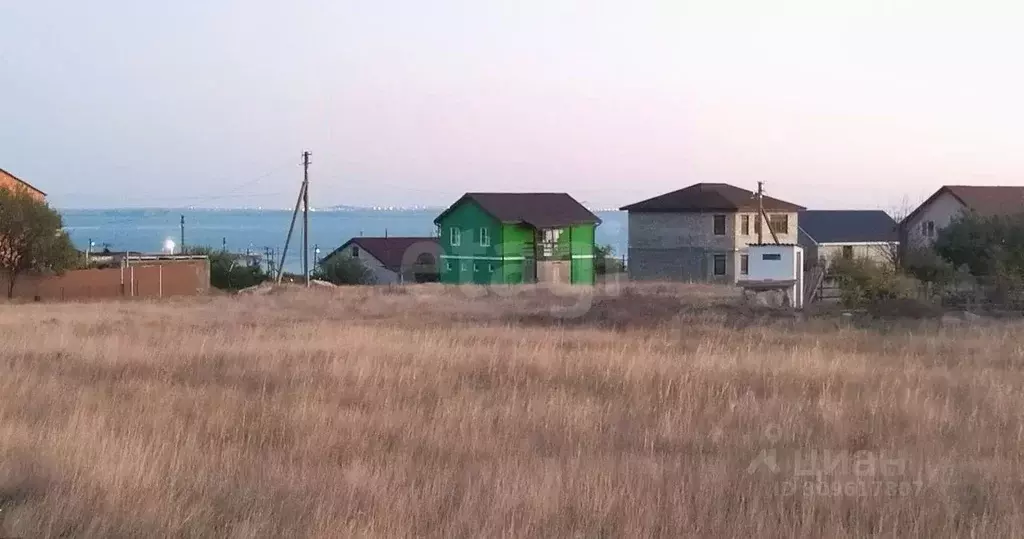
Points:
(392, 250)
(848, 226)
(990, 200)
(25, 183)
(539, 210)
(987, 200)
(709, 197)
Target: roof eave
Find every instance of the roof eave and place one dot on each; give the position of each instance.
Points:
(25, 183)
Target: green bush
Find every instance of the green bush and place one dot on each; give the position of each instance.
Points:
(230, 271)
(341, 269)
(605, 261)
(987, 246)
(864, 282)
(927, 266)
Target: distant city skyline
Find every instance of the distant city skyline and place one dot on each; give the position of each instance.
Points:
(833, 103)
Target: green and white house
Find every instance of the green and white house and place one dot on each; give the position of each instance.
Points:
(513, 238)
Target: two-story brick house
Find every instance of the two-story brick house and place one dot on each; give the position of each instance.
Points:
(700, 233)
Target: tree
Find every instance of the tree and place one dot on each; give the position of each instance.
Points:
(895, 253)
(341, 269)
(230, 271)
(991, 248)
(32, 238)
(605, 262)
(987, 246)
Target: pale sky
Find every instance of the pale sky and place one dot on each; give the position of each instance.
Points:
(833, 103)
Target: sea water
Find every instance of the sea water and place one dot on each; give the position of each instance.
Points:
(257, 231)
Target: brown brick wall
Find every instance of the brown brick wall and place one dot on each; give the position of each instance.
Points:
(143, 279)
(10, 182)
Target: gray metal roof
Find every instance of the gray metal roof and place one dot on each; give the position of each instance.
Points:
(848, 226)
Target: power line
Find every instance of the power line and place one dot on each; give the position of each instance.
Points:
(229, 193)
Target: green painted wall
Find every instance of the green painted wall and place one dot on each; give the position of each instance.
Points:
(458, 266)
(509, 259)
(581, 238)
(517, 246)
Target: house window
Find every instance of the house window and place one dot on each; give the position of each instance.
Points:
(719, 264)
(719, 225)
(928, 228)
(848, 252)
(490, 268)
(745, 225)
(462, 266)
(355, 251)
(456, 237)
(780, 223)
(771, 256)
(448, 266)
(550, 240)
(744, 264)
(485, 237)
(476, 268)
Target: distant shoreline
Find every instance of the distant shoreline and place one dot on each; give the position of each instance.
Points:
(328, 209)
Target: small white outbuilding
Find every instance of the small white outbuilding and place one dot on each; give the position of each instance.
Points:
(776, 267)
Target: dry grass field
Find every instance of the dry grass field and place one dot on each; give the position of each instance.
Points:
(428, 412)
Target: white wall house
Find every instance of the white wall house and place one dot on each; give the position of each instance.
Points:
(393, 260)
(830, 235)
(922, 226)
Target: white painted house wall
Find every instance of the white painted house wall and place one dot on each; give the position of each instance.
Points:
(789, 266)
(880, 252)
(940, 211)
(381, 274)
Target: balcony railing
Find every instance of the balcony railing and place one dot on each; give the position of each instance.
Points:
(551, 251)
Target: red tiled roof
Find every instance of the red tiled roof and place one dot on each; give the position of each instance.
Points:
(709, 197)
(392, 251)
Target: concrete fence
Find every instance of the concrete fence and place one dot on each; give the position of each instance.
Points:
(146, 278)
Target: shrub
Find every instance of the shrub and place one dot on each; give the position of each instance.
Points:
(863, 282)
(230, 271)
(927, 266)
(341, 269)
(605, 261)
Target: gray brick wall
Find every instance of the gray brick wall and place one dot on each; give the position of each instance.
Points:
(681, 245)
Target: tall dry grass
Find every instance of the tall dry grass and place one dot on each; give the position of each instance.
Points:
(369, 412)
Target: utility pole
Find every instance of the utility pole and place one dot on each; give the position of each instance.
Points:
(760, 212)
(182, 248)
(305, 216)
(762, 215)
(295, 213)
